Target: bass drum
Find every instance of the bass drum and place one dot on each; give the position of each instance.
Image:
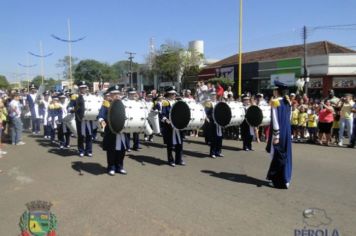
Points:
(266, 113)
(128, 116)
(187, 115)
(258, 115)
(228, 114)
(69, 121)
(92, 105)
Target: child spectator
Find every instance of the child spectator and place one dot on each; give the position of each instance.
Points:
(302, 122)
(312, 124)
(336, 127)
(295, 120)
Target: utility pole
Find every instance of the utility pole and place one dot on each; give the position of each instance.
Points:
(130, 72)
(305, 74)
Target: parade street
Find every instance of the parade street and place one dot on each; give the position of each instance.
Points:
(223, 196)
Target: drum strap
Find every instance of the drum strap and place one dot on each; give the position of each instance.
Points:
(120, 142)
(218, 130)
(176, 137)
(86, 124)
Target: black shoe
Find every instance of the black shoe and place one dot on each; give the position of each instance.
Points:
(351, 145)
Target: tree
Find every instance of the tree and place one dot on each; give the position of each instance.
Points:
(92, 70)
(48, 83)
(122, 68)
(173, 62)
(4, 84)
(64, 63)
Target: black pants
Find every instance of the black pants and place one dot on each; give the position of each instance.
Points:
(80, 139)
(115, 159)
(178, 149)
(246, 136)
(63, 138)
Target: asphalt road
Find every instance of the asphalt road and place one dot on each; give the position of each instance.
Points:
(224, 196)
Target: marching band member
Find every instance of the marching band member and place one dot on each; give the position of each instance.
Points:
(214, 130)
(54, 116)
(31, 100)
(63, 131)
(44, 113)
(113, 144)
(149, 104)
(171, 136)
(279, 143)
(246, 129)
(84, 127)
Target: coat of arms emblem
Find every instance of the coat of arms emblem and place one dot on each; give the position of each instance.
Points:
(38, 220)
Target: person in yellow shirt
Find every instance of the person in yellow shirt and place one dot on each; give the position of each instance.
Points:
(302, 122)
(346, 118)
(294, 121)
(312, 124)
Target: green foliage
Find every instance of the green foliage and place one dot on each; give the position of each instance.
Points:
(225, 82)
(122, 68)
(37, 81)
(172, 61)
(4, 84)
(64, 63)
(92, 70)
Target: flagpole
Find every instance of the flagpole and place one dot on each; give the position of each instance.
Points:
(240, 52)
(28, 73)
(42, 62)
(70, 56)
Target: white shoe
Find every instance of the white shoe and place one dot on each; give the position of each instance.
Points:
(123, 171)
(81, 154)
(287, 185)
(90, 154)
(61, 147)
(340, 144)
(20, 143)
(213, 156)
(112, 172)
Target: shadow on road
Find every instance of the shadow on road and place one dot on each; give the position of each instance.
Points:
(203, 143)
(148, 159)
(91, 168)
(245, 179)
(185, 152)
(63, 152)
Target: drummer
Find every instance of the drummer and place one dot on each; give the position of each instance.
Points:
(246, 129)
(171, 136)
(214, 130)
(63, 131)
(113, 144)
(149, 104)
(84, 127)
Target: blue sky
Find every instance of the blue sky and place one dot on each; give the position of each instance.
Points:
(112, 27)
